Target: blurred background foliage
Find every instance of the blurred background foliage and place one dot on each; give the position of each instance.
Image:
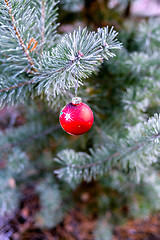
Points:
(122, 94)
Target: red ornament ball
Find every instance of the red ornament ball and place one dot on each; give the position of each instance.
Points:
(76, 117)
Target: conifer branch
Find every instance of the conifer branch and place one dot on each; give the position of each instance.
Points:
(17, 86)
(27, 138)
(9, 196)
(52, 209)
(116, 155)
(94, 164)
(47, 15)
(46, 74)
(43, 23)
(33, 80)
(76, 55)
(135, 153)
(18, 36)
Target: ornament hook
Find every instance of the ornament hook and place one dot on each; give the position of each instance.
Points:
(76, 86)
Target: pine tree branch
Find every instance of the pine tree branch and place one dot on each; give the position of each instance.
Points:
(135, 153)
(30, 138)
(19, 37)
(70, 63)
(46, 11)
(9, 196)
(115, 155)
(43, 23)
(52, 207)
(41, 134)
(16, 86)
(77, 55)
(90, 165)
(100, 162)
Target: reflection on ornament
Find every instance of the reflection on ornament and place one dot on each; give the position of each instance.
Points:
(68, 116)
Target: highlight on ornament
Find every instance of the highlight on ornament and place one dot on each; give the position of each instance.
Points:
(76, 117)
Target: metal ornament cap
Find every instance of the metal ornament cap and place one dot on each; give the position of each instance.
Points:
(76, 100)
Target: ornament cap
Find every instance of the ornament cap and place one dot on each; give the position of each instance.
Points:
(76, 100)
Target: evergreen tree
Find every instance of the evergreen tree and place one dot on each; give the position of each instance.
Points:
(41, 69)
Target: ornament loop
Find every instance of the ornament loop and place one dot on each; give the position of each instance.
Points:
(76, 85)
(76, 100)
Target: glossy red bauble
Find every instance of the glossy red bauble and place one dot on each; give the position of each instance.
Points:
(76, 117)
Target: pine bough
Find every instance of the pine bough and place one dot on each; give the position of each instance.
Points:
(34, 62)
(133, 155)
